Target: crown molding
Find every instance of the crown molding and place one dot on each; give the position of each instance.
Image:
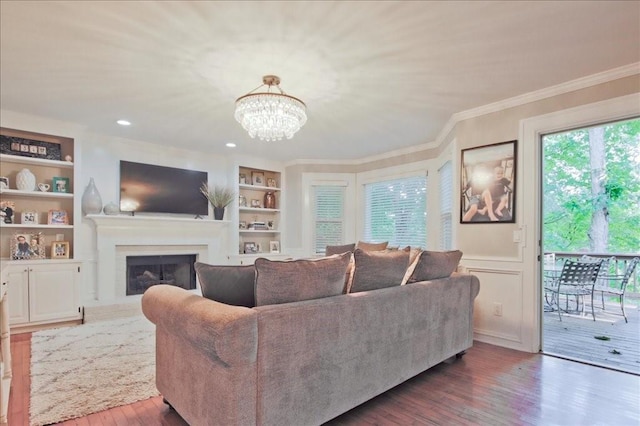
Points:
(559, 89)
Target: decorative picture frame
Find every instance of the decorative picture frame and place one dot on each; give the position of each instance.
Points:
(255, 203)
(58, 217)
(250, 248)
(488, 183)
(60, 184)
(29, 218)
(242, 224)
(4, 182)
(271, 183)
(242, 201)
(25, 246)
(243, 179)
(60, 249)
(274, 246)
(7, 209)
(257, 178)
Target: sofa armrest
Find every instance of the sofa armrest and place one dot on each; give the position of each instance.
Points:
(228, 333)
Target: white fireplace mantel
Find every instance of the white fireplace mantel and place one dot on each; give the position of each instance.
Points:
(138, 232)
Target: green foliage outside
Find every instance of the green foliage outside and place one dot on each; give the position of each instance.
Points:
(567, 201)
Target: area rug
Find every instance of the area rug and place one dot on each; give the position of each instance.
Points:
(79, 370)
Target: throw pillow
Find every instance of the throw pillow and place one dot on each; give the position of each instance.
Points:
(372, 246)
(378, 269)
(331, 250)
(287, 281)
(435, 264)
(414, 255)
(233, 285)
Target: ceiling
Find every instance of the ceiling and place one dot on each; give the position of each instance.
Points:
(376, 76)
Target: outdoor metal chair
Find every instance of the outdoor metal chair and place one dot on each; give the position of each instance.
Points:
(577, 279)
(616, 285)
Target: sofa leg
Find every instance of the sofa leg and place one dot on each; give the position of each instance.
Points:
(460, 354)
(167, 402)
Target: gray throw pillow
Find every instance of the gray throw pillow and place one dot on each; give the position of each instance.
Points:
(331, 250)
(233, 285)
(378, 269)
(435, 264)
(372, 246)
(295, 280)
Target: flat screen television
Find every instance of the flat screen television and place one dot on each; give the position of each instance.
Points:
(157, 189)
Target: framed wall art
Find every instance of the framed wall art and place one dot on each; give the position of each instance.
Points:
(26, 246)
(274, 246)
(14, 145)
(488, 183)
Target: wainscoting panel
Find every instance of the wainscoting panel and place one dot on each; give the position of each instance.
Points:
(498, 308)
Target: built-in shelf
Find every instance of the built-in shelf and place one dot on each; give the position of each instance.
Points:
(36, 226)
(8, 158)
(258, 210)
(257, 187)
(38, 194)
(259, 231)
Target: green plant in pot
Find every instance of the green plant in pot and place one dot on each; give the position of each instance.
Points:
(219, 197)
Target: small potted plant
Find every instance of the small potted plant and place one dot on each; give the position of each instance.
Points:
(219, 197)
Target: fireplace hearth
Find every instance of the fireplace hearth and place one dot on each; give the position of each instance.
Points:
(146, 271)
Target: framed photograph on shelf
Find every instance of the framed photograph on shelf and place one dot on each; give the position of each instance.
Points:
(255, 203)
(242, 224)
(250, 248)
(257, 178)
(242, 201)
(27, 246)
(488, 182)
(60, 250)
(58, 217)
(271, 183)
(274, 246)
(61, 184)
(243, 179)
(29, 218)
(4, 182)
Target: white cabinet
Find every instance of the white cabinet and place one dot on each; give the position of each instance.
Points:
(43, 292)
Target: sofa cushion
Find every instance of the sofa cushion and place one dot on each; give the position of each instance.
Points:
(378, 269)
(414, 256)
(295, 280)
(372, 246)
(435, 264)
(233, 285)
(331, 250)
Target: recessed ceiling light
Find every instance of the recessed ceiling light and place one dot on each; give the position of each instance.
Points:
(230, 144)
(124, 122)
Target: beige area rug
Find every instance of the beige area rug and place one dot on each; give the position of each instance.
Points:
(88, 368)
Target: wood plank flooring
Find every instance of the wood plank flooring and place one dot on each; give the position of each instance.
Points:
(574, 336)
(490, 385)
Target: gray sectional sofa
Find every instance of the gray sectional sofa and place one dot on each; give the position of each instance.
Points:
(302, 362)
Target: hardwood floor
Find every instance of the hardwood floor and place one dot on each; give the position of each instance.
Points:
(490, 385)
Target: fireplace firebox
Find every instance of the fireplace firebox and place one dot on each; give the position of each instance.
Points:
(146, 271)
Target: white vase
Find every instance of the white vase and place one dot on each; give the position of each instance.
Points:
(25, 180)
(91, 200)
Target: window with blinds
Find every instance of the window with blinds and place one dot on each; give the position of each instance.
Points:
(396, 211)
(328, 207)
(446, 206)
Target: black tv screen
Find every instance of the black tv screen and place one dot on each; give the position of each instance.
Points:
(158, 189)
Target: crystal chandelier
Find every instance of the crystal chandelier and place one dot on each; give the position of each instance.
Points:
(270, 116)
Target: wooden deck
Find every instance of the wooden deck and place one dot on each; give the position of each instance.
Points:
(574, 337)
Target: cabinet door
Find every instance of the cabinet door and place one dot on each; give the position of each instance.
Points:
(53, 292)
(18, 295)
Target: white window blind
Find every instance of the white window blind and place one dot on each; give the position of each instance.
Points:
(396, 211)
(446, 206)
(328, 206)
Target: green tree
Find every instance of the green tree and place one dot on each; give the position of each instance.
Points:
(570, 199)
